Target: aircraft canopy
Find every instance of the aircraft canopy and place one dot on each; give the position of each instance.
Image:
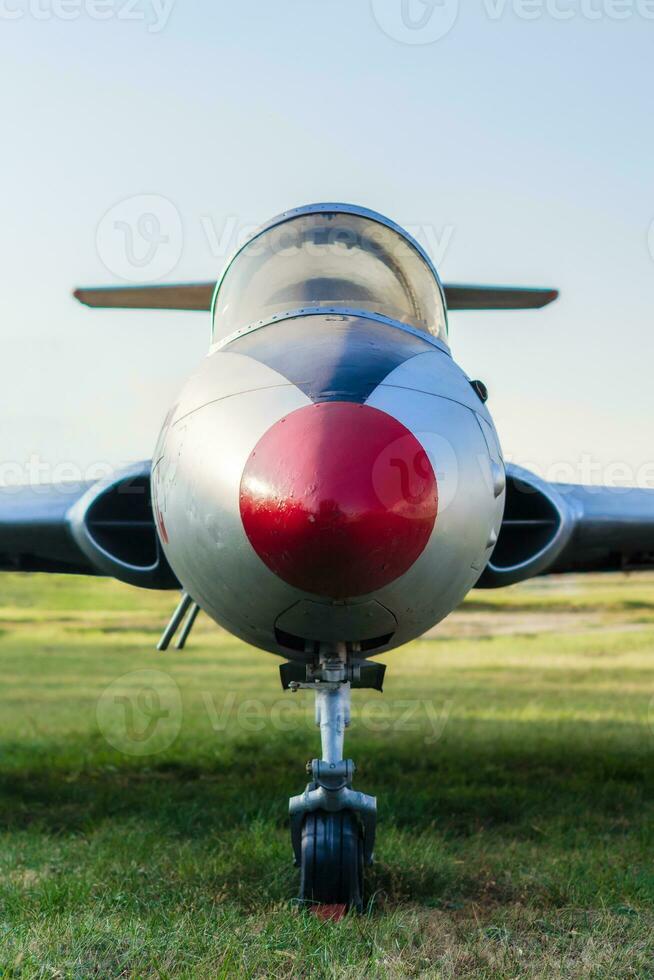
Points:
(336, 260)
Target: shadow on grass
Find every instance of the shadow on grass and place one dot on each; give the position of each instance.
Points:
(495, 779)
(501, 785)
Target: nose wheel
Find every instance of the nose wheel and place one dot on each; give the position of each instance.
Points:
(332, 859)
(332, 825)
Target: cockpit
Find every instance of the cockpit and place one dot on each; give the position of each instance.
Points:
(330, 258)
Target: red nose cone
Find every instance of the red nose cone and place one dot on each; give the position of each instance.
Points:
(338, 499)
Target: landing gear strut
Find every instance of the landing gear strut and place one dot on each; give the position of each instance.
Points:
(332, 825)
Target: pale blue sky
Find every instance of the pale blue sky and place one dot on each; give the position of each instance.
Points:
(526, 146)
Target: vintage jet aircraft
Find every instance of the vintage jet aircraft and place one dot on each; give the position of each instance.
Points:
(328, 485)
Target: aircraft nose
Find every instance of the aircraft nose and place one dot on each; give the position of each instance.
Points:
(338, 499)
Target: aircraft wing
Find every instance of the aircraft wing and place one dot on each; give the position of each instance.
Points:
(553, 528)
(35, 534)
(104, 527)
(108, 528)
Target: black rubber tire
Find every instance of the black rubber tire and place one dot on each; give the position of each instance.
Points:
(332, 859)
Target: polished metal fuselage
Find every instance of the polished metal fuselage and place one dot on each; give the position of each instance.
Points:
(253, 380)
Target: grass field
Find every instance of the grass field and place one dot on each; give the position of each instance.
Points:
(143, 821)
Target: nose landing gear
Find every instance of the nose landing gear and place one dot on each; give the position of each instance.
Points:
(332, 825)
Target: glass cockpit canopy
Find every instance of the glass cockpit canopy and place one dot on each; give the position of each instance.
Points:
(347, 260)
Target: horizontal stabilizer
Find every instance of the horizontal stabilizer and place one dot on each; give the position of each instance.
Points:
(173, 296)
(461, 297)
(198, 296)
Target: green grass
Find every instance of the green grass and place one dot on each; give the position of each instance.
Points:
(512, 755)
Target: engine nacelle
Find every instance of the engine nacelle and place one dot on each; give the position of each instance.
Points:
(113, 525)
